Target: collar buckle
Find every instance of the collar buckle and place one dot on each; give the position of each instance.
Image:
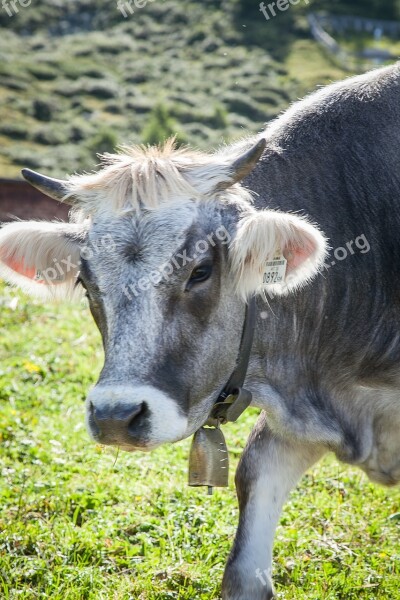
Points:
(231, 407)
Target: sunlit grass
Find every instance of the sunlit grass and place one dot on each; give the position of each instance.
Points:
(79, 521)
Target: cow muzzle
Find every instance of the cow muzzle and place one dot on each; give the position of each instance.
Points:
(133, 417)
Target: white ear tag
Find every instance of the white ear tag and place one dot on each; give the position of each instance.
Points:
(275, 269)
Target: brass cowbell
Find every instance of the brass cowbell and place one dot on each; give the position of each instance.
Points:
(209, 459)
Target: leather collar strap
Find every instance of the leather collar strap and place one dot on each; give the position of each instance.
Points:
(234, 399)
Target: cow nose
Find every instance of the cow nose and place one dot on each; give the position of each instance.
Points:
(115, 424)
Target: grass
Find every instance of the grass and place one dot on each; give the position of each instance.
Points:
(207, 70)
(359, 42)
(79, 521)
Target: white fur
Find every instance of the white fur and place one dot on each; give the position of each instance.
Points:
(167, 423)
(260, 234)
(275, 474)
(40, 246)
(151, 176)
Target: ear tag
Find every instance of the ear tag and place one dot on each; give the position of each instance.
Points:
(209, 459)
(275, 269)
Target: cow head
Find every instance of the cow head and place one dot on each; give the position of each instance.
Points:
(167, 247)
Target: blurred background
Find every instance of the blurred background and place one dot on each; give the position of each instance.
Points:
(78, 77)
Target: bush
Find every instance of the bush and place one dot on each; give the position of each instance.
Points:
(101, 89)
(49, 135)
(42, 109)
(244, 105)
(220, 118)
(104, 141)
(160, 126)
(42, 72)
(14, 131)
(13, 84)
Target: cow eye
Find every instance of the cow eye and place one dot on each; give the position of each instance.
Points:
(200, 273)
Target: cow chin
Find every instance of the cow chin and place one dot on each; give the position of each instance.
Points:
(133, 417)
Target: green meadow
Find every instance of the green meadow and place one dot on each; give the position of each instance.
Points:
(79, 521)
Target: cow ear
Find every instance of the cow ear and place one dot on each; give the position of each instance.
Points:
(266, 236)
(41, 258)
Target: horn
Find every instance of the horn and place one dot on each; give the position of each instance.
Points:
(246, 163)
(54, 188)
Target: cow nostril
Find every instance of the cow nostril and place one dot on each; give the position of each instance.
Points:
(136, 411)
(107, 413)
(138, 420)
(93, 426)
(116, 423)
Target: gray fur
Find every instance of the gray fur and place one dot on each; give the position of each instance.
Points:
(325, 363)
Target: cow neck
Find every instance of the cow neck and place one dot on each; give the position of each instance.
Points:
(234, 399)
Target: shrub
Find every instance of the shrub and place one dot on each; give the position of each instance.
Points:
(49, 135)
(105, 140)
(42, 72)
(42, 109)
(13, 84)
(220, 118)
(160, 126)
(14, 131)
(101, 89)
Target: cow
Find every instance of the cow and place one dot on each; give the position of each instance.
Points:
(172, 245)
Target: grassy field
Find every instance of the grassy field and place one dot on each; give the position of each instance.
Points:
(79, 521)
(88, 78)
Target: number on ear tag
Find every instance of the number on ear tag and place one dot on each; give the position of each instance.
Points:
(275, 269)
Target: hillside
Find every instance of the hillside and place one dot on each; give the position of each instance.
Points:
(77, 78)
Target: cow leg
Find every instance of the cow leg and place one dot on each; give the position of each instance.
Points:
(269, 468)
